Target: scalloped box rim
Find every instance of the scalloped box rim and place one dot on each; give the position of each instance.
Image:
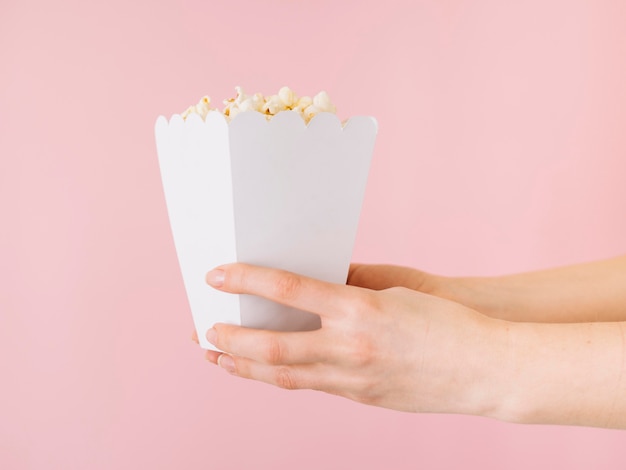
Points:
(275, 120)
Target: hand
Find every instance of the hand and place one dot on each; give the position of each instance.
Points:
(471, 292)
(383, 276)
(395, 348)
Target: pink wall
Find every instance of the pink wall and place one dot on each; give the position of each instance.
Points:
(502, 147)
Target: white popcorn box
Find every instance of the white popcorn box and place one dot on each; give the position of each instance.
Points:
(275, 193)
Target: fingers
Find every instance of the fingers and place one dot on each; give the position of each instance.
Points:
(212, 356)
(380, 276)
(209, 355)
(304, 293)
(271, 347)
(276, 366)
(302, 376)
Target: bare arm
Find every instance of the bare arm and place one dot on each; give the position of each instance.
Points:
(571, 373)
(580, 293)
(406, 350)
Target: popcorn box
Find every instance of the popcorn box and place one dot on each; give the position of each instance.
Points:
(276, 193)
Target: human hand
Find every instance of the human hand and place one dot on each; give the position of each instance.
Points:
(385, 276)
(395, 348)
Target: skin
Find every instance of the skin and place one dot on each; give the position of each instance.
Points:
(544, 347)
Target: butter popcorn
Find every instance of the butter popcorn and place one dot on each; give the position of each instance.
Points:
(284, 100)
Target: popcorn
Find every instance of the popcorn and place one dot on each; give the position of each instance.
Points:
(287, 97)
(310, 111)
(284, 100)
(241, 96)
(303, 102)
(274, 105)
(202, 108)
(322, 102)
(257, 101)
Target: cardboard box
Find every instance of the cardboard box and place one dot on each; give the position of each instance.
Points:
(280, 193)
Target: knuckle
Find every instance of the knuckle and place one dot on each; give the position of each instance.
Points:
(284, 378)
(235, 279)
(287, 286)
(363, 304)
(222, 339)
(274, 351)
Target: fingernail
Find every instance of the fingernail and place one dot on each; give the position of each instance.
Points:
(227, 363)
(215, 278)
(211, 336)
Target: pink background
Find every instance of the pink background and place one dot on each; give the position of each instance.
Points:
(502, 148)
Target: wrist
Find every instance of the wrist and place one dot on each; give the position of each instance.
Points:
(568, 374)
(488, 390)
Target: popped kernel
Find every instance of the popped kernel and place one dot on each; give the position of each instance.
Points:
(323, 103)
(287, 97)
(202, 108)
(310, 111)
(304, 102)
(274, 105)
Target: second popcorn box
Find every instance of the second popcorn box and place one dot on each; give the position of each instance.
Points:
(276, 192)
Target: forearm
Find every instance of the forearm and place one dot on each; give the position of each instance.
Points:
(573, 374)
(580, 293)
(405, 350)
